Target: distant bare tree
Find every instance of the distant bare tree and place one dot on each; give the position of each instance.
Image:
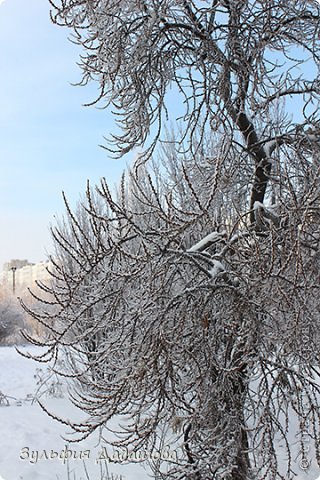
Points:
(199, 279)
(11, 321)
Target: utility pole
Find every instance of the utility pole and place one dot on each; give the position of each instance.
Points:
(14, 279)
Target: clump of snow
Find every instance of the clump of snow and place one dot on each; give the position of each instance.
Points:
(269, 147)
(207, 241)
(257, 205)
(216, 268)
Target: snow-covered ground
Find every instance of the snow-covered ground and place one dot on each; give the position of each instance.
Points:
(31, 447)
(31, 443)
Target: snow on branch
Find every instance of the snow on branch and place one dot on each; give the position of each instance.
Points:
(207, 241)
(216, 268)
(269, 147)
(267, 212)
(312, 137)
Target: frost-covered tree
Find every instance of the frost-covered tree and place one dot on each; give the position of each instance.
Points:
(229, 62)
(205, 330)
(199, 279)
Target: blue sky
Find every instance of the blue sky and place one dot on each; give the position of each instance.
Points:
(49, 142)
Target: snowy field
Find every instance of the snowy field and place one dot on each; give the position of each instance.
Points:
(31, 443)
